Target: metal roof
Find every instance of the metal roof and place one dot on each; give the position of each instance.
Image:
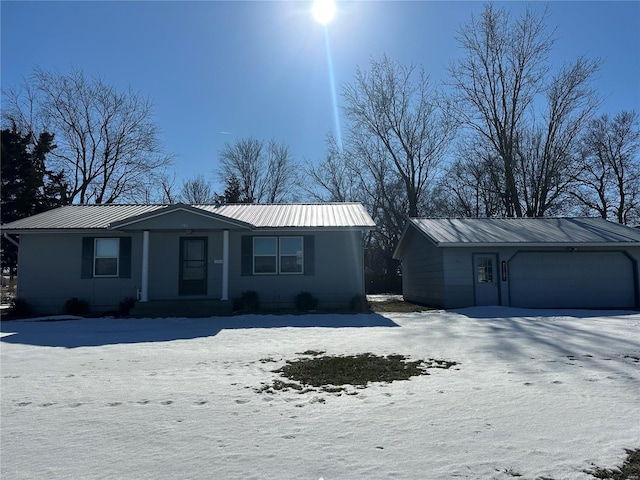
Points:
(79, 217)
(525, 231)
(297, 215)
(520, 232)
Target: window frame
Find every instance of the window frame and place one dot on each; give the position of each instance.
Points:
(485, 270)
(97, 257)
(274, 255)
(280, 255)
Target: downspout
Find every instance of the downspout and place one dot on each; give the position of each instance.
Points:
(6, 235)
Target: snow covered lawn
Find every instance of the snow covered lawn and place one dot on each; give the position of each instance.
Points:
(542, 394)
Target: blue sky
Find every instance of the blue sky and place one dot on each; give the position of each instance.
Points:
(218, 71)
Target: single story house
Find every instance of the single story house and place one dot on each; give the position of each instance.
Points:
(520, 262)
(164, 254)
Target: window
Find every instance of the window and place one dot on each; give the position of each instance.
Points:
(278, 255)
(106, 257)
(291, 255)
(485, 270)
(265, 255)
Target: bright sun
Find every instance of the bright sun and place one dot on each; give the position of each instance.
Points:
(323, 11)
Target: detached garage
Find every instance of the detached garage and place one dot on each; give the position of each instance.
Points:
(520, 262)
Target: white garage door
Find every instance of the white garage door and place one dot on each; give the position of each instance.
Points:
(571, 280)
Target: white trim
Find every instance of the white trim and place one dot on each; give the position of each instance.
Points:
(254, 255)
(96, 257)
(280, 255)
(225, 265)
(144, 289)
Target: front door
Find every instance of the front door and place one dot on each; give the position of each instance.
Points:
(193, 266)
(485, 271)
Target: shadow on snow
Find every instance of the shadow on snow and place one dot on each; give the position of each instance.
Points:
(73, 333)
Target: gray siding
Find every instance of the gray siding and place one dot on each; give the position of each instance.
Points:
(49, 273)
(338, 275)
(50, 270)
(458, 277)
(597, 276)
(181, 220)
(422, 271)
(164, 264)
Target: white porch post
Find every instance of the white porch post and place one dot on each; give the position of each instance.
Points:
(225, 265)
(144, 289)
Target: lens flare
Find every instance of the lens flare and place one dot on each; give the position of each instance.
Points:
(334, 97)
(323, 11)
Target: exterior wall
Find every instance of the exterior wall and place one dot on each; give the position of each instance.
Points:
(49, 273)
(634, 253)
(459, 276)
(422, 271)
(338, 271)
(182, 220)
(164, 263)
(50, 267)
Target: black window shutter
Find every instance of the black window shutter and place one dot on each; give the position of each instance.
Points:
(246, 261)
(125, 257)
(87, 257)
(309, 255)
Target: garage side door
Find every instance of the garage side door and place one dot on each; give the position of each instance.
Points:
(571, 280)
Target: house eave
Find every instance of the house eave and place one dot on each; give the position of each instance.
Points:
(536, 244)
(312, 229)
(37, 231)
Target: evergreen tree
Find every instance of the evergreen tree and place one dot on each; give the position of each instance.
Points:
(27, 186)
(233, 192)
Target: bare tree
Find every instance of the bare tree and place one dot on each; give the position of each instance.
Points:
(610, 168)
(108, 145)
(265, 175)
(473, 183)
(167, 185)
(197, 191)
(546, 153)
(394, 118)
(392, 154)
(332, 180)
(161, 188)
(499, 86)
(279, 180)
(497, 81)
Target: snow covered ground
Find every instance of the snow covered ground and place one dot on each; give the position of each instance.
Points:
(542, 394)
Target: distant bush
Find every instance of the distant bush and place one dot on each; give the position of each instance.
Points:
(247, 302)
(306, 302)
(20, 308)
(359, 304)
(125, 306)
(75, 306)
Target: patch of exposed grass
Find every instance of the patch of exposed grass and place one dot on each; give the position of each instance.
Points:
(630, 469)
(396, 306)
(512, 472)
(350, 370)
(313, 353)
(332, 374)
